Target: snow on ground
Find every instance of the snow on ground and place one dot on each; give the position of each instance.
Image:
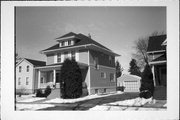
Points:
(133, 102)
(60, 100)
(23, 97)
(100, 108)
(32, 99)
(165, 105)
(27, 107)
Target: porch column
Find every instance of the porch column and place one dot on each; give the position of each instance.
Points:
(54, 76)
(153, 72)
(39, 78)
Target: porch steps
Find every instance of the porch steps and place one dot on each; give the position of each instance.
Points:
(54, 94)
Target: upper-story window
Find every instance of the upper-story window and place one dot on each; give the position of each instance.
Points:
(59, 57)
(65, 55)
(110, 59)
(69, 42)
(19, 81)
(20, 68)
(73, 55)
(96, 62)
(27, 68)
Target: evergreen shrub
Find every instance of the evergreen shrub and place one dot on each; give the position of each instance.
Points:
(147, 84)
(70, 80)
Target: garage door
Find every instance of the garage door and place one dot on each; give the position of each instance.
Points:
(131, 86)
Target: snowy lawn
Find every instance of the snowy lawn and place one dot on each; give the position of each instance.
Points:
(27, 107)
(131, 104)
(28, 98)
(60, 100)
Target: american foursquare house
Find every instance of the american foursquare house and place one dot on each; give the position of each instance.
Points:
(97, 63)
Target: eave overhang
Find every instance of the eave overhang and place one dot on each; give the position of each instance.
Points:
(87, 46)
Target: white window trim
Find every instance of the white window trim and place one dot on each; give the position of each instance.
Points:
(55, 58)
(104, 76)
(77, 55)
(113, 76)
(19, 80)
(27, 80)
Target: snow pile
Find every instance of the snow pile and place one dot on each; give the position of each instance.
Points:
(133, 102)
(32, 106)
(60, 100)
(32, 99)
(23, 97)
(165, 105)
(100, 108)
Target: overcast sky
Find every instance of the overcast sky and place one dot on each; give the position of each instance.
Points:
(114, 27)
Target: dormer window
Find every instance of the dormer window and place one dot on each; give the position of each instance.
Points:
(72, 42)
(62, 43)
(69, 42)
(66, 43)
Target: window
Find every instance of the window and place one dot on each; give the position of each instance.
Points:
(103, 75)
(59, 57)
(62, 43)
(20, 68)
(42, 80)
(96, 62)
(96, 91)
(69, 42)
(110, 59)
(19, 81)
(27, 69)
(112, 78)
(27, 80)
(72, 42)
(73, 55)
(65, 55)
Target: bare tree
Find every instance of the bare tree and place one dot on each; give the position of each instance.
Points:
(141, 46)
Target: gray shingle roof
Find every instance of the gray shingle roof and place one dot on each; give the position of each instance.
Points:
(36, 62)
(155, 43)
(83, 40)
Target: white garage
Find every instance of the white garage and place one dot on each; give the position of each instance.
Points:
(131, 83)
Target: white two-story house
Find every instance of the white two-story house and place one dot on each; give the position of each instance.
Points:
(25, 70)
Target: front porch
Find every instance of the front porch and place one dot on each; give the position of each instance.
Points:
(50, 75)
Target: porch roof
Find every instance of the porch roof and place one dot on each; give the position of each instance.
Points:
(159, 60)
(57, 66)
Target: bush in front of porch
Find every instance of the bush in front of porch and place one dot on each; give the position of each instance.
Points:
(70, 79)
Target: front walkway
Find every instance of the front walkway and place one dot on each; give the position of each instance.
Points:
(99, 103)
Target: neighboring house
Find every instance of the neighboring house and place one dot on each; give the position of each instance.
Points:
(157, 57)
(97, 63)
(25, 69)
(130, 83)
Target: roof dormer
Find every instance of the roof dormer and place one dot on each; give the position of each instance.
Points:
(66, 43)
